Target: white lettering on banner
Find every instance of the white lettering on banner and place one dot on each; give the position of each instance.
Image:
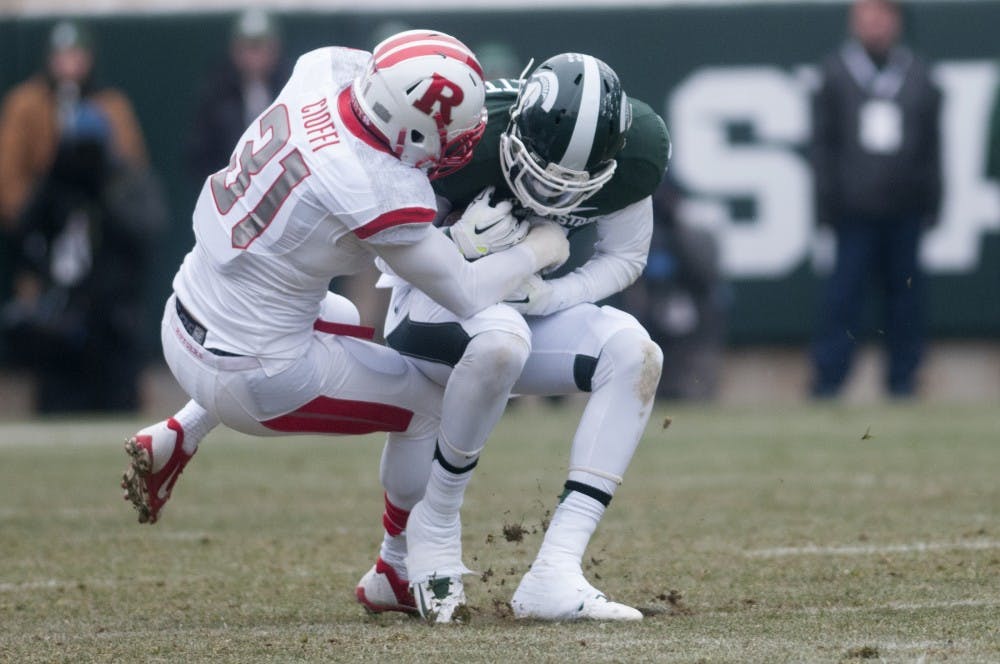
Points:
(766, 169)
(771, 169)
(971, 205)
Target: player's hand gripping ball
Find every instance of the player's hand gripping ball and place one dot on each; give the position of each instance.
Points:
(486, 227)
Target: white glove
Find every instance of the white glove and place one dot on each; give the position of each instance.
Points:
(485, 229)
(547, 241)
(535, 220)
(534, 298)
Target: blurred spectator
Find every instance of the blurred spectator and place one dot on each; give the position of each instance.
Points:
(78, 203)
(33, 115)
(36, 112)
(876, 152)
(681, 300)
(237, 92)
(76, 319)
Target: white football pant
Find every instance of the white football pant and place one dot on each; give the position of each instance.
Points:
(585, 348)
(340, 385)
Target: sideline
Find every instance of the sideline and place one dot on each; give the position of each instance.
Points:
(916, 547)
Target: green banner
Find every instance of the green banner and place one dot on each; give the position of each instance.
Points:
(732, 82)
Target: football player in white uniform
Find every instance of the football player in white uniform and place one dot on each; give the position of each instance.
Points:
(566, 145)
(337, 170)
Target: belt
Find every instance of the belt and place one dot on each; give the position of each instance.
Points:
(197, 330)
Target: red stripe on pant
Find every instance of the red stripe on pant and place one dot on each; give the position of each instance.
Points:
(394, 518)
(343, 329)
(342, 416)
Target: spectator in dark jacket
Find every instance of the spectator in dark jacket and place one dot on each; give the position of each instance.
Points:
(876, 158)
(36, 112)
(76, 319)
(242, 87)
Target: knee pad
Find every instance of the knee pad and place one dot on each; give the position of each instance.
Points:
(497, 357)
(630, 355)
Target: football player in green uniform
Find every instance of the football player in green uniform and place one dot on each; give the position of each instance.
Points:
(566, 145)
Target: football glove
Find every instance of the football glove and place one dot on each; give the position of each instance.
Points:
(533, 298)
(485, 228)
(547, 241)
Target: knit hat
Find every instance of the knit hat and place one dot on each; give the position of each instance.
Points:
(69, 34)
(255, 25)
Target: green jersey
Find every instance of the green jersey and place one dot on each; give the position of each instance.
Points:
(641, 162)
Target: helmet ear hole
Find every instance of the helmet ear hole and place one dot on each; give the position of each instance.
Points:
(416, 136)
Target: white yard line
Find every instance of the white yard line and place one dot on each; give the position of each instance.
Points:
(74, 433)
(950, 644)
(941, 605)
(873, 549)
(66, 584)
(897, 606)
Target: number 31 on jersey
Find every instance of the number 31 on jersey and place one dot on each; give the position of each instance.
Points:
(230, 185)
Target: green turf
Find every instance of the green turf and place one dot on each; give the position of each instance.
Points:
(802, 534)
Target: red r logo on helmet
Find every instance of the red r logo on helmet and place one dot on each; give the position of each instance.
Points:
(443, 92)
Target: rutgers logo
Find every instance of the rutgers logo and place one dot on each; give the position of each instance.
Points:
(445, 94)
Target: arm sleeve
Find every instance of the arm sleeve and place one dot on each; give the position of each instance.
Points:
(34, 231)
(203, 147)
(823, 149)
(434, 265)
(15, 140)
(127, 134)
(619, 258)
(931, 175)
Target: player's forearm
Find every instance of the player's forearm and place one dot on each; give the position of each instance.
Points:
(620, 255)
(598, 278)
(435, 266)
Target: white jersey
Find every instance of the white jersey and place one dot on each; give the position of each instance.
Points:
(306, 189)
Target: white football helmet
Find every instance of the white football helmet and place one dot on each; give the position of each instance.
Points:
(423, 95)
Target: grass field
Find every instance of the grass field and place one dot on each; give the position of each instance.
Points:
(796, 534)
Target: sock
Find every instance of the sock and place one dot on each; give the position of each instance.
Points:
(393, 552)
(393, 549)
(570, 530)
(196, 423)
(437, 519)
(446, 488)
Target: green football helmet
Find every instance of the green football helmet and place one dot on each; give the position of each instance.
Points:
(566, 127)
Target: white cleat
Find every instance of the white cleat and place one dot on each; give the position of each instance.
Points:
(382, 589)
(441, 599)
(434, 564)
(156, 459)
(548, 593)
